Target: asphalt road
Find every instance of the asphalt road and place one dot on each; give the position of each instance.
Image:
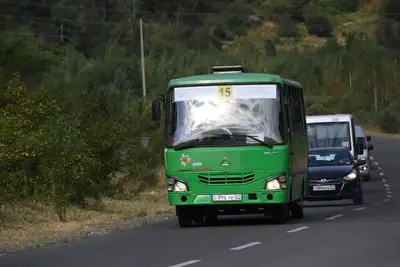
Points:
(332, 234)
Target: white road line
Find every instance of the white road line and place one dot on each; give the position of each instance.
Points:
(384, 180)
(388, 196)
(388, 192)
(252, 244)
(297, 229)
(376, 163)
(186, 263)
(334, 217)
(386, 200)
(371, 158)
(382, 174)
(386, 185)
(379, 168)
(360, 208)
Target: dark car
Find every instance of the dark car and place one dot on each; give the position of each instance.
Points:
(333, 174)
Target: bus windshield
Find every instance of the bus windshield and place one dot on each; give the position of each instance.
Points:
(328, 134)
(225, 121)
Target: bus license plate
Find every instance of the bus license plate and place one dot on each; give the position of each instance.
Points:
(223, 198)
(324, 188)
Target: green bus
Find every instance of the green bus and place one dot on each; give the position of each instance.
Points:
(235, 143)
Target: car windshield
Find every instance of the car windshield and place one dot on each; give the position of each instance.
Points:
(329, 157)
(328, 134)
(246, 114)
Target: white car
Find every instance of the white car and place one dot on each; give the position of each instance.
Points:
(363, 139)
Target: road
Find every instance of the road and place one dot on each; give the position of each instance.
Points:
(331, 235)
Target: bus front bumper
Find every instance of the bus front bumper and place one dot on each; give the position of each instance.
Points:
(263, 198)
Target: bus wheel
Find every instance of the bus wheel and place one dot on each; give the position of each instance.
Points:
(282, 213)
(297, 210)
(184, 217)
(210, 219)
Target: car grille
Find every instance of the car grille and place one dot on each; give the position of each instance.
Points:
(226, 178)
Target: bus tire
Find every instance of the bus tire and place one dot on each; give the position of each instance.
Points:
(184, 217)
(210, 219)
(297, 208)
(282, 214)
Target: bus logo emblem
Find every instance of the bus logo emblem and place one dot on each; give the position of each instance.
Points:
(323, 180)
(185, 159)
(225, 162)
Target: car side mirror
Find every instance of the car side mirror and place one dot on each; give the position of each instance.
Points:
(368, 138)
(361, 162)
(370, 147)
(156, 110)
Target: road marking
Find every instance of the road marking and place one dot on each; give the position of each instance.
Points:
(298, 229)
(360, 208)
(186, 263)
(382, 174)
(386, 185)
(379, 168)
(388, 196)
(384, 180)
(389, 192)
(386, 200)
(371, 158)
(376, 163)
(252, 244)
(334, 217)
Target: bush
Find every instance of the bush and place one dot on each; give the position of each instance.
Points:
(287, 27)
(319, 26)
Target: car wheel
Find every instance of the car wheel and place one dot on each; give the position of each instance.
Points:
(359, 199)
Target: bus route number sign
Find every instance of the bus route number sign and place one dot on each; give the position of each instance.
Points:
(224, 91)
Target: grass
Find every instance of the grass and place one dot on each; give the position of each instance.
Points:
(21, 222)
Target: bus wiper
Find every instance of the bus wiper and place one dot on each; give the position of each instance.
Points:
(187, 144)
(248, 136)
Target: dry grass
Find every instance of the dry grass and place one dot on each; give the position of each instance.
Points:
(32, 221)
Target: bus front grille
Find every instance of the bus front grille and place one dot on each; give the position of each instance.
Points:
(226, 178)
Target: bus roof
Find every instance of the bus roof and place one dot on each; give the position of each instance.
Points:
(329, 118)
(226, 78)
(359, 131)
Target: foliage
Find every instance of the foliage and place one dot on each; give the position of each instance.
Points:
(70, 81)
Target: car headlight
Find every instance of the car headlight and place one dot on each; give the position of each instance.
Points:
(175, 185)
(351, 176)
(364, 168)
(276, 183)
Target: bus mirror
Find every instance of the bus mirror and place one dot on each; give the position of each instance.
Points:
(368, 138)
(360, 149)
(156, 110)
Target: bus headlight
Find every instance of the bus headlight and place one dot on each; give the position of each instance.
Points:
(276, 183)
(175, 185)
(180, 187)
(351, 176)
